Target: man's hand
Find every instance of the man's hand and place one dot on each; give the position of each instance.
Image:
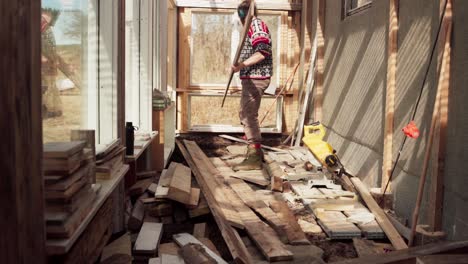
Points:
(237, 67)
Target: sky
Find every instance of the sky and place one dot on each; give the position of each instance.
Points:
(65, 6)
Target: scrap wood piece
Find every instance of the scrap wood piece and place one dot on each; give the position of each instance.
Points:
(380, 216)
(238, 250)
(185, 239)
(154, 261)
(121, 245)
(199, 230)
(399, 256)
(148, 238)
(117, 259)
(152, 188)
(201, 209)
(171, 259)
(168, 248)
(139, 187)
(237, 149)
(136, 218)
(257, 177)
(207, 242)
(194, 198)
(180, 186)
(62, 149)
(64, 184)
(63, 166)
(309, 228)
(365, 247)
(334, 205)
(163, 185)
(293, 231)
(246, 142)
(68, 193)
(445, 259)
(196, 254)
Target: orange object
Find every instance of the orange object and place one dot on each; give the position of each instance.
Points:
(411, 130)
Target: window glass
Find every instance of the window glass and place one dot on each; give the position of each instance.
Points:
(215, 38)
(65, 28)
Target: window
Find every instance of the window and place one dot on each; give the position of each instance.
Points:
(79, 68)
(352, 7)
(140, 43)
(215, 38)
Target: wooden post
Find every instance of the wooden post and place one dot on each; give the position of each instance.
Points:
(436, 195)
(442, 90)
(318, 100)
(121, 72)
(21, 194)
(390, 94)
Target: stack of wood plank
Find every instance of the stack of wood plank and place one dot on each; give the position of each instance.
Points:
(110, 161)
(67, 171)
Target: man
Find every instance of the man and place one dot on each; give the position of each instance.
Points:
(256, 69)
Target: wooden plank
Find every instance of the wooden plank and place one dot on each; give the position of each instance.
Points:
(148, 238)
(161, 191)
(364, 247)
(231, 237)
(390, 94)
(152, 188)
(293, 231)
(319, 76)
(68, 193)
(443, 259)
(246, 142)
(168, 249)
(185, 239)
(232, 4)
(88, 136)
(409, 254)
(201, 209)
(194, 198)
(139, 187)
(180, 186)
(255, 177)
(136, 218)
(154, 261)
(196, 254)
(380, 216)
(65, 183)
(171, 259)
(207, 242)
(436, 195)
(335, 225)
(62, 149)
(199, 230)
(63, 166)
(121, 245)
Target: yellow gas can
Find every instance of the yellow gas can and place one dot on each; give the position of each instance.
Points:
(313, 139)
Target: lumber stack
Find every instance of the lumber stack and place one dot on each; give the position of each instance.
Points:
(110, 161)
(67, 171)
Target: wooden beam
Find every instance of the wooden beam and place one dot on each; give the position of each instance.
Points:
(400, 256)
(436, 195)
(21, 194)
(121, 72)
(231, 236)
(390, 94)
(442, 90)
(232, 4)
(318, 99)
(392, 234)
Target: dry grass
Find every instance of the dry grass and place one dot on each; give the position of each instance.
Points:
(58, 128)
(206, 110)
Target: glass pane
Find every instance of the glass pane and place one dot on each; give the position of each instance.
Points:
(200, 115)
(211, 51)
(132, 60)
(64, 35)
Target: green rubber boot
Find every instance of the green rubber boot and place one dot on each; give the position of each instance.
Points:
(253, 161)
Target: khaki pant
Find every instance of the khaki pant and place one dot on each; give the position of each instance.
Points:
(252, 91)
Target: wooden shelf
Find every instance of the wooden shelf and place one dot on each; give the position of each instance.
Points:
(62, 246)
(140, 147)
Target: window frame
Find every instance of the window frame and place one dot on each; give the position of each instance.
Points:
(348, 10)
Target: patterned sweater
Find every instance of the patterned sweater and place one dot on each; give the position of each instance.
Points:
(258, 40)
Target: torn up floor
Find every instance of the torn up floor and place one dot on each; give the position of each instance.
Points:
(292, 211)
